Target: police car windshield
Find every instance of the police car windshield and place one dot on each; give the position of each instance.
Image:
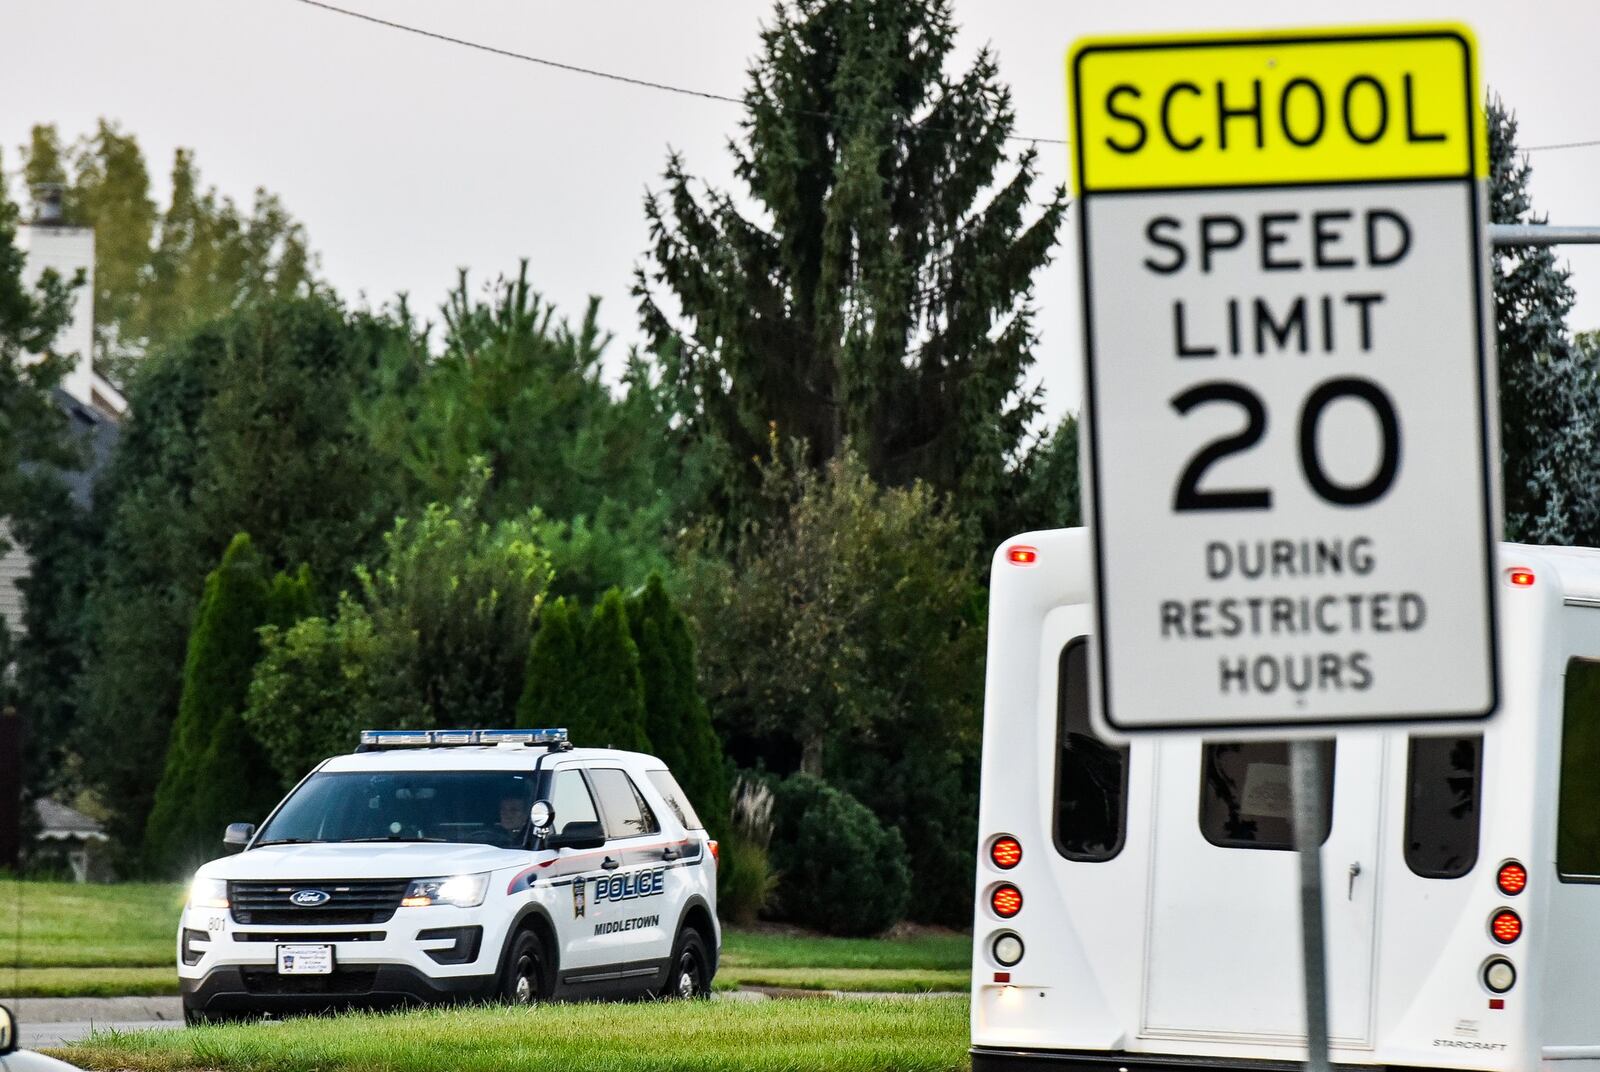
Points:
(480, 807)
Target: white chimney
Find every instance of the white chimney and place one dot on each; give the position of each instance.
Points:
(48, 243)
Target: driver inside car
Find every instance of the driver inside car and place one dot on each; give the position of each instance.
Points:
(513, 821)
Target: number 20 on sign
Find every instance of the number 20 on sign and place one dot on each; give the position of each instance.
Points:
(1288, 379)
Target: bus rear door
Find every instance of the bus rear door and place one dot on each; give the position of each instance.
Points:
(1223, 945)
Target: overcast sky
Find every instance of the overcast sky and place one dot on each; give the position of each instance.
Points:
(410, 158)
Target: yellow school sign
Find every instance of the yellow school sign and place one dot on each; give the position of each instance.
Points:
(1290, 107)
(1288, 426)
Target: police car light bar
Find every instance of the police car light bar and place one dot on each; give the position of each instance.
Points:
(375, 739)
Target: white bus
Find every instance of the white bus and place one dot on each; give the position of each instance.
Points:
(1137, 909)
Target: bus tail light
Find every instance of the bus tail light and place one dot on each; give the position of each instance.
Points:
(1006, 900)
(1512, 878)
(1505, 926)
(1006, 852)
(1006, 949)
(1499, 975)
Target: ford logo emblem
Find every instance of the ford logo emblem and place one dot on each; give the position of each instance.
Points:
(309, 898)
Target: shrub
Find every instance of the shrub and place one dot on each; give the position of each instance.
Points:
(323, 680)
(438, 636)
(746, 880)
(841, 870)
(467, 592)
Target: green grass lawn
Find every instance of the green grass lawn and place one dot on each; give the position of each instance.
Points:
(105, 940)
(856, 980)
(925, 952)
(127, 925)
(87, 982)
(904, 1035)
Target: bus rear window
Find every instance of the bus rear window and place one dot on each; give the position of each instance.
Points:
(1442, 804)
(1245, 798)
(1091, 776)
(1578, 819)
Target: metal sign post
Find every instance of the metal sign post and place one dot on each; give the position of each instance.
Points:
(1306, 774)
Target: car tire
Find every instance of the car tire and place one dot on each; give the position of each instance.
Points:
(193, 1017)
(689, 970)
(522, 978)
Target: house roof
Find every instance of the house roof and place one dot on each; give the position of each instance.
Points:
(57, 822)
(98, 432)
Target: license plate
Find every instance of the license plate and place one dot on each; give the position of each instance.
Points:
(305, 960)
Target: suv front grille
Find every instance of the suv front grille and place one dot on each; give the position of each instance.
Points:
(350, 902)
(343, 982)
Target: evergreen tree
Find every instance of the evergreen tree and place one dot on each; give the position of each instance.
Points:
(553, 678)
(234, 779)
(246, 424)
(61, 542)
(676, 718)
(184, 827)
(32, 431)
(1049, 495)
(1549, 389)
(33, 502)
(610, 704)
(520, 388)
(880, 293)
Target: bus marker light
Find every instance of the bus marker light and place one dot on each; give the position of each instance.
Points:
(1506, 926)
(1002, 977)
(1007, 950)
(1022, 555)
(1497, 1003)
(1520, 578)
(1006, 900)
(1512, 878)
(1006, 852)
(1499, 975)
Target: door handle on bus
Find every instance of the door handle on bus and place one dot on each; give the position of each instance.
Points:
(608, 864)
(1355, 869)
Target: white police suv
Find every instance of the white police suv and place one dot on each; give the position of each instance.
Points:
(457, 865)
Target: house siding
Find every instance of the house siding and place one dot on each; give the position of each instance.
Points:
(14, 566)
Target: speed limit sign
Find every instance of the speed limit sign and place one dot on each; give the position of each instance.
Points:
(1290, 455)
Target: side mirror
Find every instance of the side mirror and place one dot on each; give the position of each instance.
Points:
(8, 1032)
(543, 816)
(238, 835)
(578, 836)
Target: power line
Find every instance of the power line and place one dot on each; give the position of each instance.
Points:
(645, 83)
(541, 61)
(573, 68)
(1560, 145)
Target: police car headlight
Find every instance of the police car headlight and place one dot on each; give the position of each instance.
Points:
(459, 891)
(208, 893)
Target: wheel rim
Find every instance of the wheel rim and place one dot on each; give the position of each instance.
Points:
(688, 976)
(522, 991)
